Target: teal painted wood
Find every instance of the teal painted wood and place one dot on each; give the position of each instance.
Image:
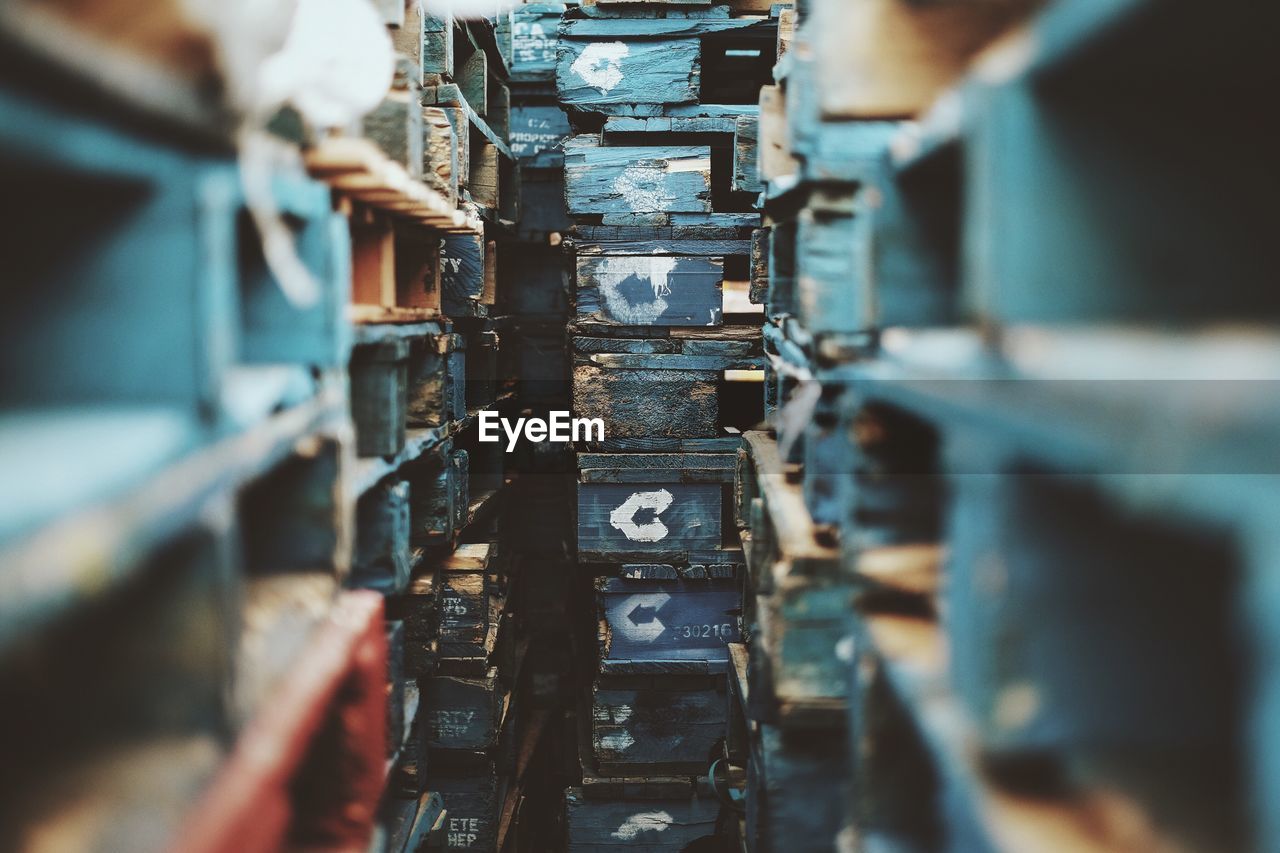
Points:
(796, 799)
(657, 28)
(382, 557)
(847, 152)
(913, 238)
(635, 290)
(430, 403)
(652, 179)
(833, 292)
(379, 396)
(652, 462)
(625, 125)
(712, 248)
(537, 135)
(599, 73)
(461, 713)
(780, 298)
(632, 518)
(805, 625)
(437, 44)
(725, 444)
(534, 41)
(658, 621)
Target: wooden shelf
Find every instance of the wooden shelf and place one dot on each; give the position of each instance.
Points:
(356, 169)
(61, 562)
(914, 653)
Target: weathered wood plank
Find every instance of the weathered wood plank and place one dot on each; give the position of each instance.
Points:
(647, 518)
(654, 462)
(640, 727)
(602, 72)
(395, 126)
(379, 380)
(660, 621)
(440, 153)
(538, 132)
(710, 248)
(773, 145)
(890, 58)
(462, 265)
(534, 41)
(635, 403)
(746, 169)
(462, 713)
(650, 291)
(625, 180)
(382, 557)
(473, 81)
(472, 807)
(642, 826)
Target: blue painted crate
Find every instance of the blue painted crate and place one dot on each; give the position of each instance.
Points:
(640, 290)
(653, 179)
(666, 627)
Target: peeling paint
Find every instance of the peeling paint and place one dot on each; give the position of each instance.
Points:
(643, 822)
(600, 65)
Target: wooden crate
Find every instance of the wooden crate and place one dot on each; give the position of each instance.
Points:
(652, 825)
(651, 179)
(537, 134)
(654, 388)
(654, 283)
(383, 558)
(437, 380)
(463, 713)
(656, 725)
(634, 66)
(666, 627)
(395, 269)
(439, 495)
(379, 379)
(534, 41)
(797, 790)
(396, 126)
(471, 603)
(465, 261)
(650, 505)
(469, 790)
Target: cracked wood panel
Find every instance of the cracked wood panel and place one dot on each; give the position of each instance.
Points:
(593, 73)
(636, 180)
(650, 290)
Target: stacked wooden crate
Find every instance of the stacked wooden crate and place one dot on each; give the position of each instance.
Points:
(665, 354)
(175, 526)
(430, 313)
(936, 217)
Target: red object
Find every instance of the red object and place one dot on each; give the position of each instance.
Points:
(308, 770)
